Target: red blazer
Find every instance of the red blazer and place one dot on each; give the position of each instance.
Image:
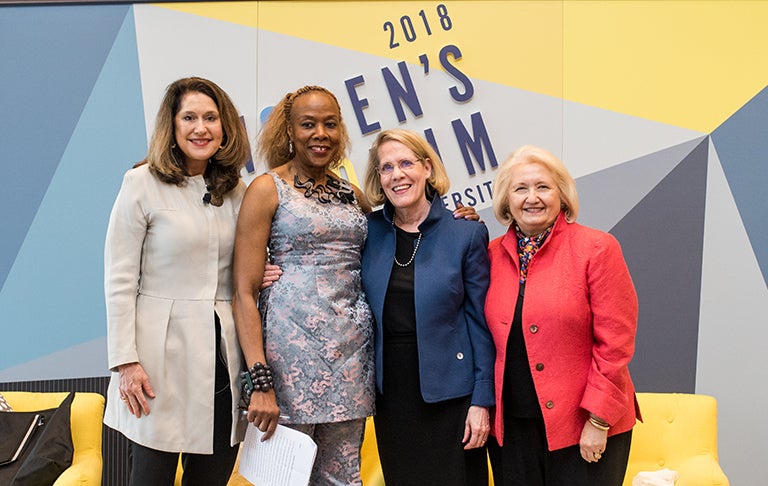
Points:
(579, 322)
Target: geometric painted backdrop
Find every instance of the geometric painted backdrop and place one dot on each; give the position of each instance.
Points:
(659, 109)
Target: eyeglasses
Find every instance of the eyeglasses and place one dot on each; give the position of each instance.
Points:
(386, 169)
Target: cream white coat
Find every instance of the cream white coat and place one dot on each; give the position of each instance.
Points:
(168, 268)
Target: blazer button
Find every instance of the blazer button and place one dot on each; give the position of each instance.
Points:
(539, 366)
(534, 328)
(550, 404)
(459, 355)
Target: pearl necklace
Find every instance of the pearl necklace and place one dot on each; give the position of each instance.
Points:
(413, 255)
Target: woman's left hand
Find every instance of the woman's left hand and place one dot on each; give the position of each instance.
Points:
(271, 275)
(476, 427)
(465, 212)
(592, 442)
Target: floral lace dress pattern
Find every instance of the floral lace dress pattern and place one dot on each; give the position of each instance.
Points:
(318, 328)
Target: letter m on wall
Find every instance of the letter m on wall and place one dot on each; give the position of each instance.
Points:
(474, 145)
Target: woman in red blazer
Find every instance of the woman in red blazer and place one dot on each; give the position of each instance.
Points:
(562, 310)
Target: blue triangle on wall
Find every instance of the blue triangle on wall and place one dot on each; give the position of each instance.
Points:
(72, 42)
(742, 146)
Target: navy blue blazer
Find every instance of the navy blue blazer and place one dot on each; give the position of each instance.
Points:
(451, 276)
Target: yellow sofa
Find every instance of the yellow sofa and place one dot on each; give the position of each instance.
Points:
(679, 432)
(86, 417)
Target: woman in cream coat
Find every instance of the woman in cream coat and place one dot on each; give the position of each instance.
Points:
(173, 349)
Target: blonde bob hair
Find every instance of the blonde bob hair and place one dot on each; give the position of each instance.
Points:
(438, 179)
(274, 143)
(529, 154)
(166, 160)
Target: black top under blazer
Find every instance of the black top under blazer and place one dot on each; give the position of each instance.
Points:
(451, 276)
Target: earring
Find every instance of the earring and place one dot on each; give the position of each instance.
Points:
(290, 147)
(173, 145)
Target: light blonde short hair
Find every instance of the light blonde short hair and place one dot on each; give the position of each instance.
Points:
(529, 154)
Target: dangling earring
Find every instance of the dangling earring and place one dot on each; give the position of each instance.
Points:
(173, 145)
(290, 147)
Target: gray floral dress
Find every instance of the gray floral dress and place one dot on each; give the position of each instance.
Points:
(318, 328)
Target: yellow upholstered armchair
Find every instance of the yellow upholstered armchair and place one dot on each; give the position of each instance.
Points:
(86, 417)
(679, 432)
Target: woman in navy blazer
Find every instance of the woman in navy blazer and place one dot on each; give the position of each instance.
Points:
(426, 275)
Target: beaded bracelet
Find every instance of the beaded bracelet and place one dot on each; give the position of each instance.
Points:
(257, 378)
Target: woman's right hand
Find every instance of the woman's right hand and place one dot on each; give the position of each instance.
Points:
(135, 388)
(263, 412)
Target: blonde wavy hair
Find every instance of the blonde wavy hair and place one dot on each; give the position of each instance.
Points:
(530, 154)
(273, 144)
(438, 179)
